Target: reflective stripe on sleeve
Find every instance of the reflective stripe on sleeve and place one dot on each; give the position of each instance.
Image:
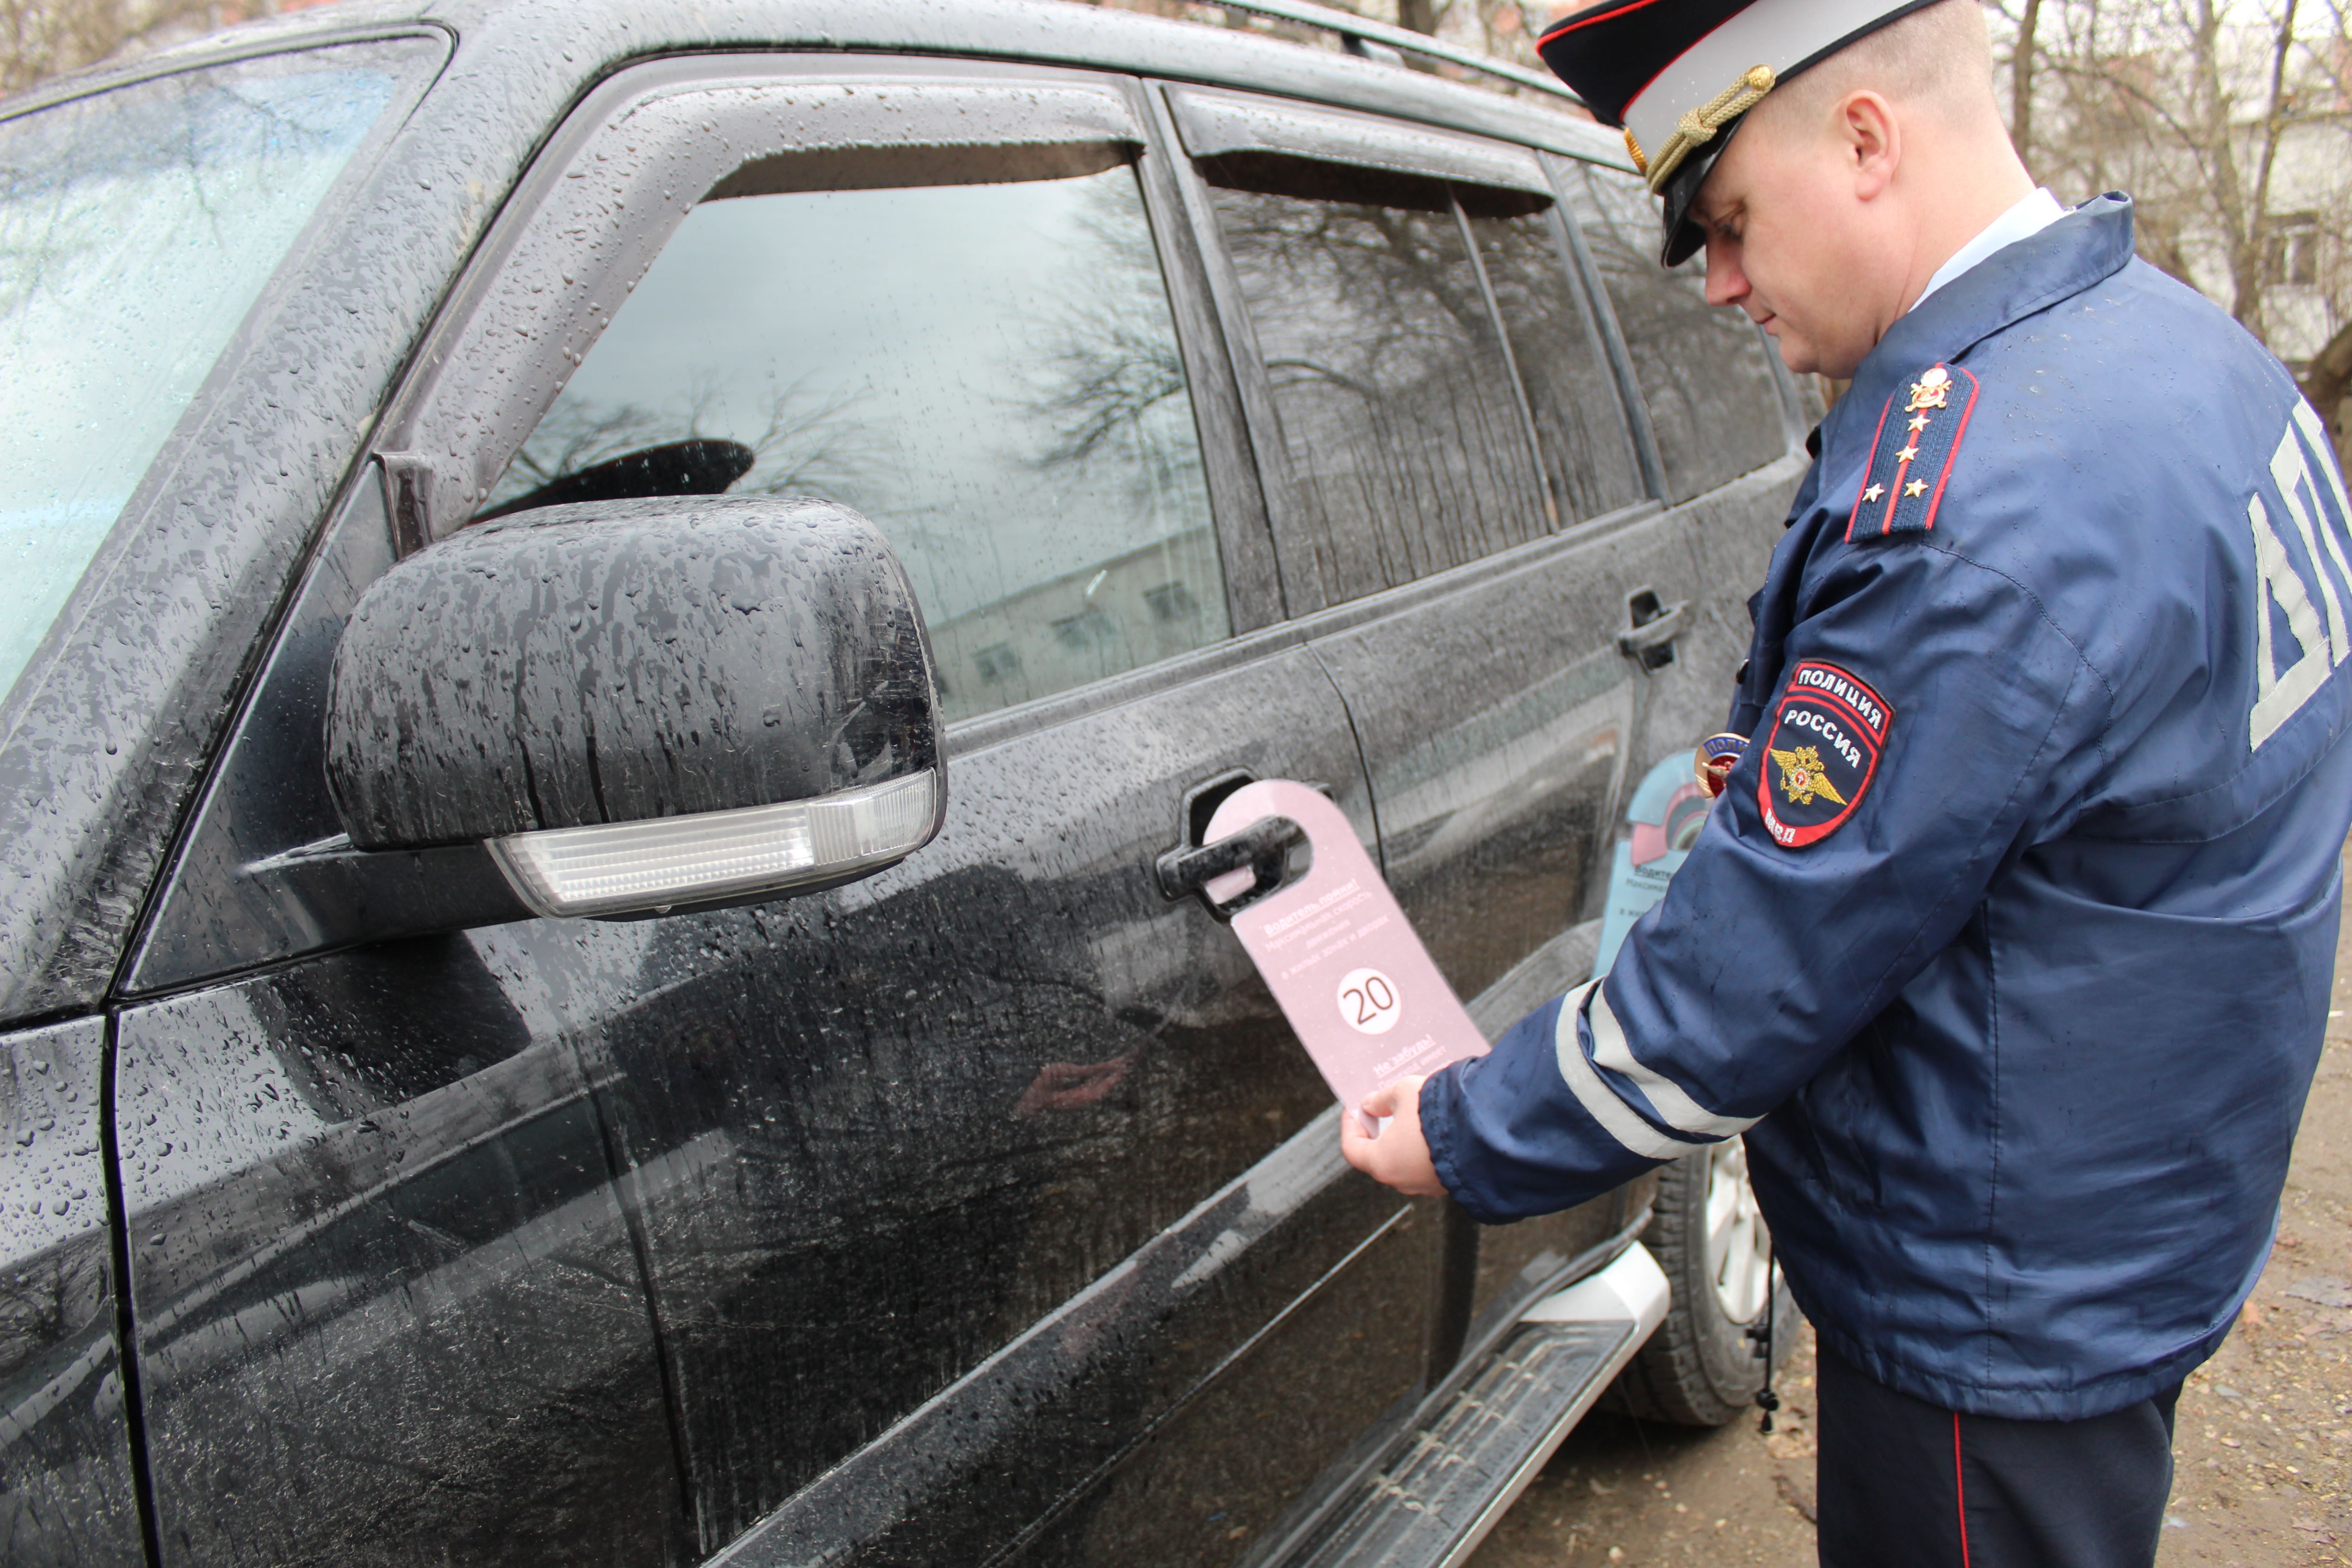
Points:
(1617, 1118)
(1675, 1108)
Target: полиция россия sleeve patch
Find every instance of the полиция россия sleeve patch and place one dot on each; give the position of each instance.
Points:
(1820, 751)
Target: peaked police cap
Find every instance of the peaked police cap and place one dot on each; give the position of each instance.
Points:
(1678, 76)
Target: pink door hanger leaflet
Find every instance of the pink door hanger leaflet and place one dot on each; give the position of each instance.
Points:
(1344, 964)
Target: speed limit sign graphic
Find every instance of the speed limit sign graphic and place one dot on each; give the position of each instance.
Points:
(1368, 1002)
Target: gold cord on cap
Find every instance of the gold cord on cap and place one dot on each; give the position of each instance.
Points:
(1697, 127)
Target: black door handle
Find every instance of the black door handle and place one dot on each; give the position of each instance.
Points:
(1655, 625)
(1262, 844)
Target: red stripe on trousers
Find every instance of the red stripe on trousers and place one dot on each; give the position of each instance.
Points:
(1960, 1489)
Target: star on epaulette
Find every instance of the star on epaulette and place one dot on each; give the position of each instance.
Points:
(1912, 452)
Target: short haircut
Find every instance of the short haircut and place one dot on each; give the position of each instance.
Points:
(1940, 58)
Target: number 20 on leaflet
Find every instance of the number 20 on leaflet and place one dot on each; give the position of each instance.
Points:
(1343, 962)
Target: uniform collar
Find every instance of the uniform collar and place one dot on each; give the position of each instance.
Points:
(2024, 220)
(2084, 247)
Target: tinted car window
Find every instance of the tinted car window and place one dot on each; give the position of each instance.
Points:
(989, 372)
(1714, 402)
(1407, 443)
(1587, 455)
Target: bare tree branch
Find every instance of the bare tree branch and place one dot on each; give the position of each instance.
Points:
(2021, 124)
(2225, 120)
(2328, 385)
(2255, 244)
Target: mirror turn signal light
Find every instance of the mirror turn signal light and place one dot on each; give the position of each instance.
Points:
(649, 866)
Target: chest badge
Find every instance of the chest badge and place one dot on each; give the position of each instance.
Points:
(1823, 746)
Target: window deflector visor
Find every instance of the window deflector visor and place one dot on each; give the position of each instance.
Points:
(1216, 124)
(655, 160)
(648, 867)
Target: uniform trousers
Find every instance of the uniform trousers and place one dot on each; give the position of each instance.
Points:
(1906, 1484)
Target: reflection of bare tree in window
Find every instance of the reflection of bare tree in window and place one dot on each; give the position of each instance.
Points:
(62, 172)
(1414, 257)
(1712, 401)
(806, 442)
(1109, 378)
(1396, 406)
(1571, 393)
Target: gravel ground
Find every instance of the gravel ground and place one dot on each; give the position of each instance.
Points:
(2263, 1475)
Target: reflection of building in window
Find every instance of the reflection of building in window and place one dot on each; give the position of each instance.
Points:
(1171, 602)
(1088, 628)
(997, 663)
(2293, 251)
(1102, 618)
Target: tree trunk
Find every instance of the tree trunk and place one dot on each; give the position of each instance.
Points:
(2328, 382)
(2258, 235)
(2021, 84)
(1417, 15)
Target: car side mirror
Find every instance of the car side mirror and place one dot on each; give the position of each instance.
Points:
(643, 706)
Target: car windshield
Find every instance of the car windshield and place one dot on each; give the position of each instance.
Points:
(137, 227)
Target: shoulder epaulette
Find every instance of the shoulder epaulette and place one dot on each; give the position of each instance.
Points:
(1911, 455)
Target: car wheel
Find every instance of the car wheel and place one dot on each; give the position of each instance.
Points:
(1701, 1369)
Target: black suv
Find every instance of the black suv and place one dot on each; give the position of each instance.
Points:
(906, 1166)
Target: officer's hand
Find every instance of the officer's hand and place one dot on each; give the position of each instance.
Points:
(1399, 1157)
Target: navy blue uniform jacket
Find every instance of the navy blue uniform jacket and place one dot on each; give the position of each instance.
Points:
(2009, 944)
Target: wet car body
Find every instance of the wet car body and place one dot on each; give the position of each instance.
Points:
(980, 1211)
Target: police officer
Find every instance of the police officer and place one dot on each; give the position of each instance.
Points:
(2008, 945)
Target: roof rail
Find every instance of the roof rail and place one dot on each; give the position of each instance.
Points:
(1355, 32)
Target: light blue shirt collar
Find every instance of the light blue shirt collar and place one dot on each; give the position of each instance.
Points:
(2026, 219)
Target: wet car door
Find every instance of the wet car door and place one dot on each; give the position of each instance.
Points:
(65, 1488)
(383, 1291)
(1463, 505)
(953, 1185)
